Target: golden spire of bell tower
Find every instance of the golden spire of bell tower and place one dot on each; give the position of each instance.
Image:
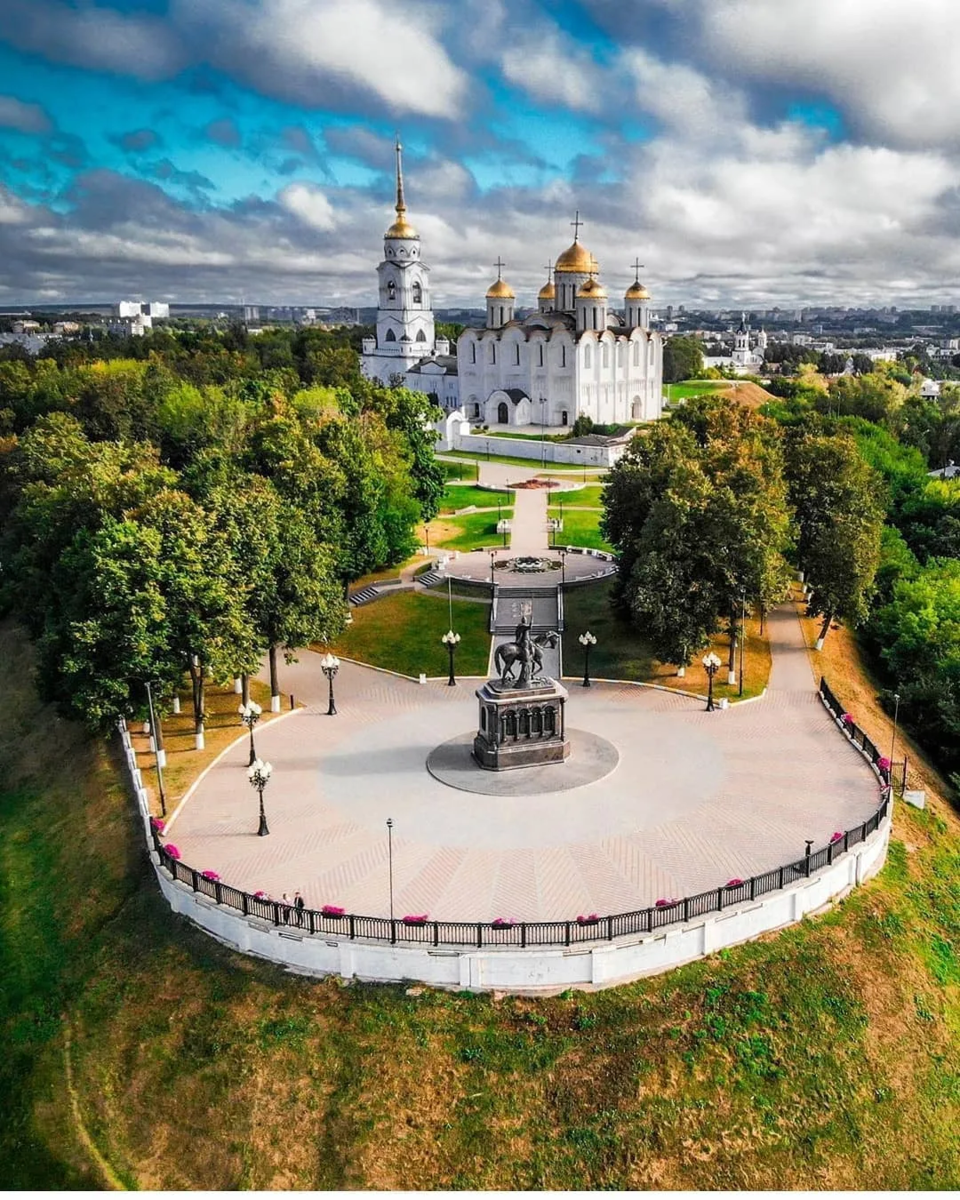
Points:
(401, 228)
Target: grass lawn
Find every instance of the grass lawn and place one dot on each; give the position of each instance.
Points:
(139, 1052)
(467, 532)
(402, 633)
(384, 573)
(622, 653)
(694, 387)
(459, 471)
(581, 527)
(585, 497)
(456, 496)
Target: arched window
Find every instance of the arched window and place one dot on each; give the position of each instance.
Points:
(564, 417)
(391, 290)
(605, 354)
(563, 354)
(417, 293)
(587, 356)
(421, 336)
(636, 409)
(596, 320)
(540, 353)
(391, 336)
(493, 352)
(473, 352)
(503, 413)
(516, 354)
(636, 354)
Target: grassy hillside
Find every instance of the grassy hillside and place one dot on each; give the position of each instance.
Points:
(826, 1057)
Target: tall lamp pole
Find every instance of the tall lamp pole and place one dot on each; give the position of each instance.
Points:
(450, 640)
(330, 665)
(390, 861)
(249, 716)
(711, 664)
(158, 750)
(893, 738)
(743, 635)
(587, 641)
(259, 776)
(563, 569)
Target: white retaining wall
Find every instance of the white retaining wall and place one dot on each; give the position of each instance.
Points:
(551, 452)
(595, 965)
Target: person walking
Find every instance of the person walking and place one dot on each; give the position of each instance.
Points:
(286, 908)
(299, 905)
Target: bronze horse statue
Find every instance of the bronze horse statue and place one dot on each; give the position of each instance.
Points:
(511, 654)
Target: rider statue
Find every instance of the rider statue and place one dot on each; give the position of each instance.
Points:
(526, 650)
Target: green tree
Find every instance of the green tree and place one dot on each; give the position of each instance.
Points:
(839, 510)
(682, 359)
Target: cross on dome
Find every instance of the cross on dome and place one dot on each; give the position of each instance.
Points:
(576, 223)
(637, 268)
(499, 264)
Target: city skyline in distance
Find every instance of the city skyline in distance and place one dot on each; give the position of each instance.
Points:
(750, 153)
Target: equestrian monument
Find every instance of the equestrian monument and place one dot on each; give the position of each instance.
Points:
(522, 720)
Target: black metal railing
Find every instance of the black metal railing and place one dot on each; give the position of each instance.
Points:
(856, 735)
(520, 934)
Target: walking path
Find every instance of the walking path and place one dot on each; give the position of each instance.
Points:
(696, 799)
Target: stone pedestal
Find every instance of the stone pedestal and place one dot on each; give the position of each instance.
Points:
(521, 727)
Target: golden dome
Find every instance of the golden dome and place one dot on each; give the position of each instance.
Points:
(592, 290)
(401, 228)
(500, 290)
(548, 291)
(636, 291)
(577, 259)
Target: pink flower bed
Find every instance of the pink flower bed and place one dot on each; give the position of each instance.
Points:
(591, 919)
(414, 919)
(171, 851)
(260, 896)
(157, 824)
(884, 764)
(331, 910)
(836, 837)
(847, 719)
(502, 923)
(210, 875)
(666, 904)
(734, 883)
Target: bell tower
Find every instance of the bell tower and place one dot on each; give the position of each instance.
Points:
(405, 329)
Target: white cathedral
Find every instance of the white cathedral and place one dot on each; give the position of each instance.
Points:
(574, 356)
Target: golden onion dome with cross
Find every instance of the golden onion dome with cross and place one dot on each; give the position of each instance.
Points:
(500, 290)
(548, 291)
(636, 291)
(592, 290)
(577, 260)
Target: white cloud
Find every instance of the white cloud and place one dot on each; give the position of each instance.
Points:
(550, 71)
(681, 97)
(93, 37)
(309, 204)
(298, 49)
(12, 210)
(27, 118)
(894, 70)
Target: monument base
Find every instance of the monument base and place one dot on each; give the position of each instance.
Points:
(521, 727)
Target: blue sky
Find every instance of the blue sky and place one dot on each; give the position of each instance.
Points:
(750, 151)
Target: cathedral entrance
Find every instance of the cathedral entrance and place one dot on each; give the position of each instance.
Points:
(503, 413)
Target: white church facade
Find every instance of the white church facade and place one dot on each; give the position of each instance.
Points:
(575, 356)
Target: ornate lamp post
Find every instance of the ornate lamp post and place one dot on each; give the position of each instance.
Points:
(493, 559)
(711, 664)
(450, 640)
(259, 776)
(390, 861)
(249, 716)
(330, 665)
(893, 738)
(563, 569)
(586, 640)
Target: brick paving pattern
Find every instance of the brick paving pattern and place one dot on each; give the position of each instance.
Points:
(697, 798)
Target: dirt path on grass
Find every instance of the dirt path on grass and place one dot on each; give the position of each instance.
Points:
(110, 1179)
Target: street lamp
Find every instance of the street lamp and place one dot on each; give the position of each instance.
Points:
(330, 665)
(893, 739)
(586, 640)
(249, 716)
(390, 861)
(450, 640)
(259, 776)
(563, 569)
(711, 664)
(493, 556)
(161, 754)
(543, 444)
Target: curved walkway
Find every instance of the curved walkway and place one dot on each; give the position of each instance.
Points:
(697, 798)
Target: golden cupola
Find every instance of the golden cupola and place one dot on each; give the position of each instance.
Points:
(401, 228)
(501, 290)
(577, 260)
(548, 291)
(592, 290)
(636, 291)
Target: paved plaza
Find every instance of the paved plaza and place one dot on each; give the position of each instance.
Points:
(695, 799)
